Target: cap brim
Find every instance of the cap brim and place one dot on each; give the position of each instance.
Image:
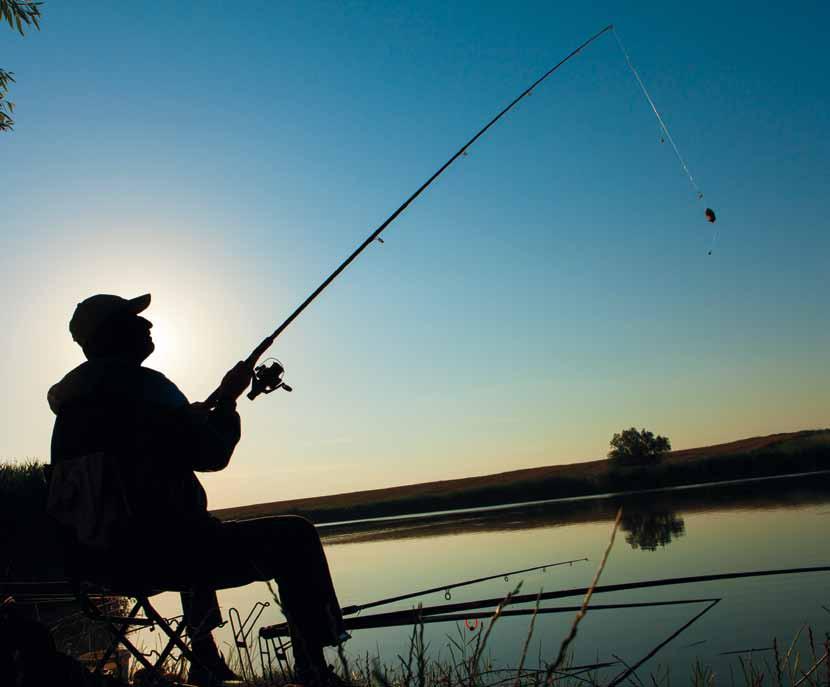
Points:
(138, 304)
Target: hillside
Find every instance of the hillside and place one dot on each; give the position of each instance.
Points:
(753, 457)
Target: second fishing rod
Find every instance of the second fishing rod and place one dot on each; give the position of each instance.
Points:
(268, 378)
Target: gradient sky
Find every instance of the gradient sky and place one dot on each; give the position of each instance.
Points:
(550, 289)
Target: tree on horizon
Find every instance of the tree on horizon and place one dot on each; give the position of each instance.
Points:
(638, 447)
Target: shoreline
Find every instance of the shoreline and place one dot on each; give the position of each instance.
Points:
(760, 458)
(571, 499)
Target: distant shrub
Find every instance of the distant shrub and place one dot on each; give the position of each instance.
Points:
(633, 447)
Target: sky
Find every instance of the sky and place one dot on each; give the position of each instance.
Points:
(548, 290)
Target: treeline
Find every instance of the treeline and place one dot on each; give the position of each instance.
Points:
(807, 452)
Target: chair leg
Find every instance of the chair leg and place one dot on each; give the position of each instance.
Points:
(175, 640)
(119, 627)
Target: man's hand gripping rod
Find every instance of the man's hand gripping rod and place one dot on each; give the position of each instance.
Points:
(267, 379)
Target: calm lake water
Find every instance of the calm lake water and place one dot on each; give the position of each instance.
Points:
(763, 525)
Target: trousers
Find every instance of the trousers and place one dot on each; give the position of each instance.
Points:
(286, 549)
(198, 555)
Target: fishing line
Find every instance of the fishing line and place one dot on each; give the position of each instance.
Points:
(663, 126)
(666, 135)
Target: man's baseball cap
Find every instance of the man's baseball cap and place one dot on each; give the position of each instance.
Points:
(90, 314)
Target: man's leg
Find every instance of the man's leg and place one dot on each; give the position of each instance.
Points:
(201, 616)
(288, 549)
(217, 555)
(201, 611)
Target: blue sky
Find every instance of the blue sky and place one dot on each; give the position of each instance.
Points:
(550, 289)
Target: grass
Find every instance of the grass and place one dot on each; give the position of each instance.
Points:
(22, 491)
(800, 662)
(28, 543)
(794, 670)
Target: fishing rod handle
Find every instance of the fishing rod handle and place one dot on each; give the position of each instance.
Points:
(250, 361)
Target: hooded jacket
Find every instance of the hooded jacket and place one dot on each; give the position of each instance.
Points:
(140, 419)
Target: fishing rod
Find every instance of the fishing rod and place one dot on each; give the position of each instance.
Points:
(444, 609)
(357, 608)
(268, 378)
(608, 588)
(414, 616)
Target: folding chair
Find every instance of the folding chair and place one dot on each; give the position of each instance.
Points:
(91, 595)
(141, 615)
(92, 599)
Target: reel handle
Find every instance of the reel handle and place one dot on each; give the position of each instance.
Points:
(253, 393)
(267, 378)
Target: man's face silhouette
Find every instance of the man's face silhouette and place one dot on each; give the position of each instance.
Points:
(143, 345)
(125, 335)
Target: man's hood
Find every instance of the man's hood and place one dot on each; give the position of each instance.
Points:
(111, 378)
(82, 382)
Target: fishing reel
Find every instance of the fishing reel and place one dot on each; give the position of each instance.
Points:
(268, 378)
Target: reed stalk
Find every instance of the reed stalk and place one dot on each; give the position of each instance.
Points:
(563, 648)
(527, 640)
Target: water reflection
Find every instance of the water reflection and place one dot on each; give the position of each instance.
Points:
(666, 524)
(648, 529)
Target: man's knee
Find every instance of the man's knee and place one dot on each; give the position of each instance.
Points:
(299, 528)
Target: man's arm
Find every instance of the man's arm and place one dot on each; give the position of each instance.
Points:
(194, 435)
(208, 437)
(216, 431)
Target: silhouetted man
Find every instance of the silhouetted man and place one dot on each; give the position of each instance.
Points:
(148, 524)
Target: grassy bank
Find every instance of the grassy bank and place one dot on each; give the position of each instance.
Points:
(801, 661)
(776, 454)
(28, 545)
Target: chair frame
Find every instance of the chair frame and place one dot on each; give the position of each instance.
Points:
(141, 615)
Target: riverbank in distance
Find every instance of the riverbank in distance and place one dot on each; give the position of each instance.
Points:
(776, 454)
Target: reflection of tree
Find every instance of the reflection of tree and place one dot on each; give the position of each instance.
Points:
(650, 529)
